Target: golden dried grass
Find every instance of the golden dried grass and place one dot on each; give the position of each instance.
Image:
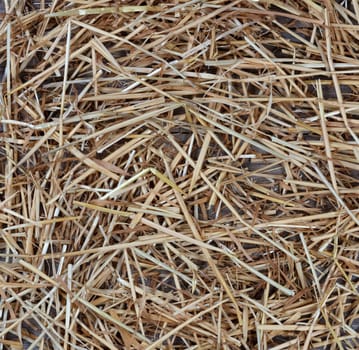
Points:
(179, 175)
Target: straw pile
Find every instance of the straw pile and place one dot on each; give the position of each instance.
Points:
(179, 175)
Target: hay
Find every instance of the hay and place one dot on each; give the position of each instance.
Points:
(179, 175)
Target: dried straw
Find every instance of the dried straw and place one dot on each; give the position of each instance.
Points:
(179, 175)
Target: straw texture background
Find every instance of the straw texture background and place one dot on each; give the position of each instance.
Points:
(179, 174)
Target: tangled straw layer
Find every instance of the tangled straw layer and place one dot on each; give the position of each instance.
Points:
(179, 175)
